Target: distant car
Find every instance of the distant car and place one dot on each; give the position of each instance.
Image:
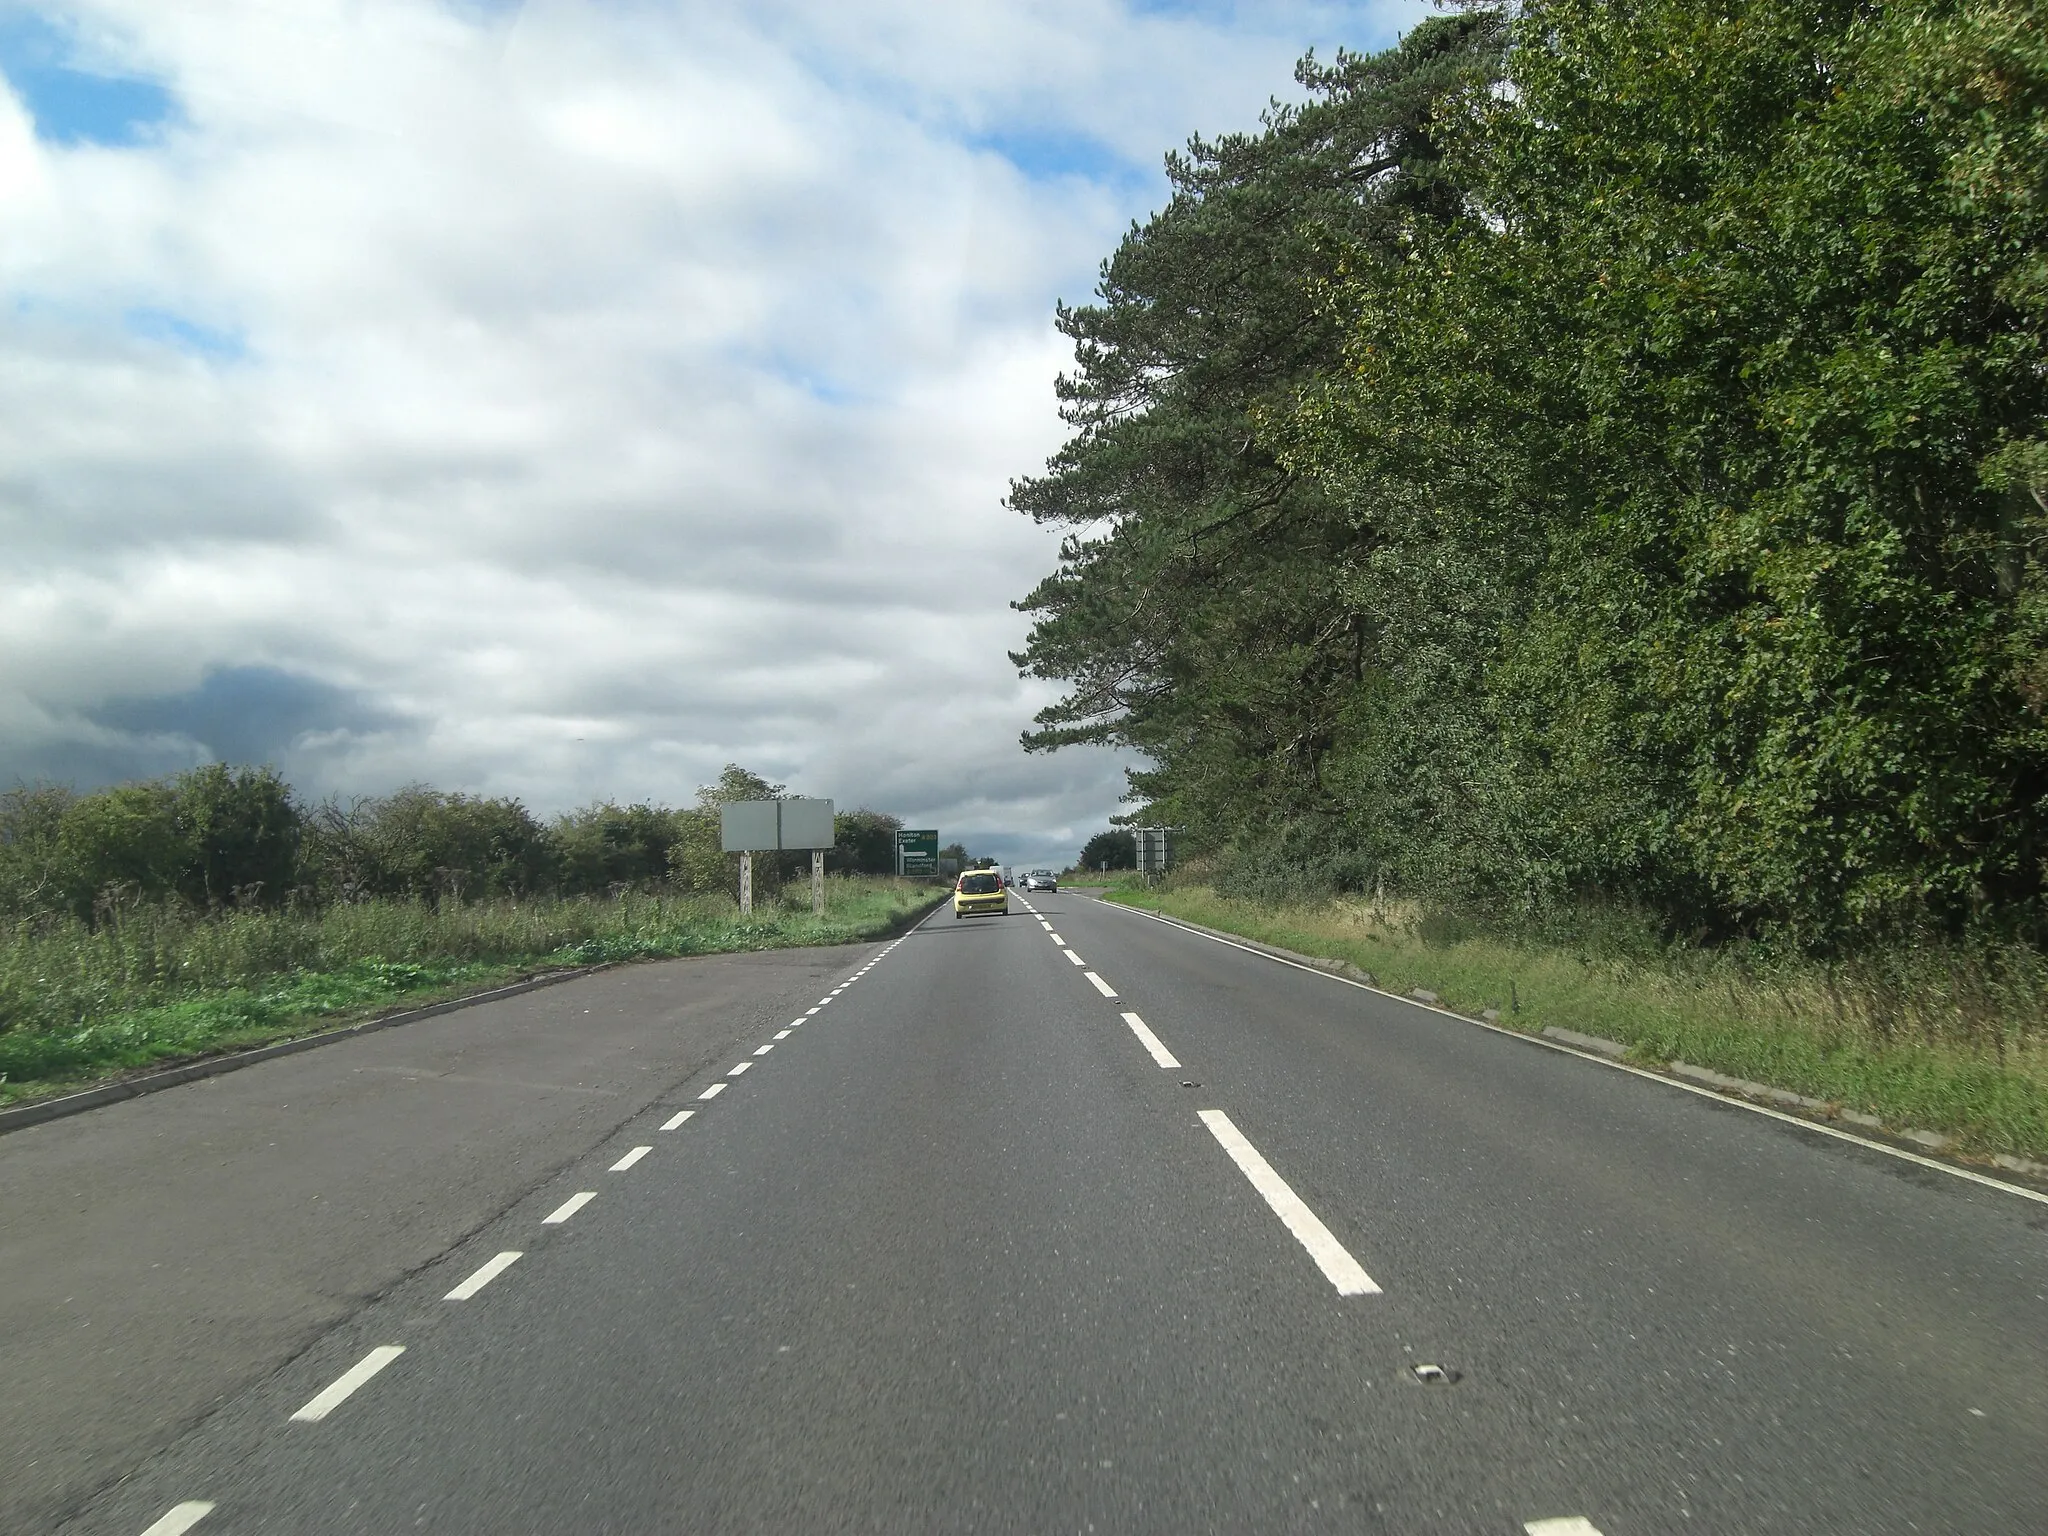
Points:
(1041, 880)
(980, 893)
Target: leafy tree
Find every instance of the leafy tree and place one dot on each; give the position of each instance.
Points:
(240, 830)
(865, 841)
(605, 846)
(1114, 849)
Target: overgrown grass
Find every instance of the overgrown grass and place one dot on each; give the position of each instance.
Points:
(1934, 1039)
(162, 982)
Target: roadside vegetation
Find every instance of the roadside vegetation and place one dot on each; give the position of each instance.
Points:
(210, 911)
(1942, 1038)
(1579, 480)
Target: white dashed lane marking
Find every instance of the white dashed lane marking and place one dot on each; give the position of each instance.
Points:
(348, 1382)
(482, 1277)
(1055, 937)
(809, 1011)
(783, 1034)
(1151, 1043)
(1573, 1525)
(677, 1119)
(1073, 957)
(764, 1050)
(1336, 1263)
(630, 1159)
(1101, 986)
(713, 1091)
(180, 1518)
(568, 1208)
(736, 1071)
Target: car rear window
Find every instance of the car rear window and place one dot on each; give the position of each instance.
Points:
(979, 885)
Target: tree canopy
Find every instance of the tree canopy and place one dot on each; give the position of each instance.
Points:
(1593, 451)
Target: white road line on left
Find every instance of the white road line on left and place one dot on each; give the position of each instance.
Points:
(1332, 1258)
(677, 1119)
(1100, 985)
(568, 1208)
(483, 1277)
(1571, 1525)
(783, 1034)
(736, 1071)
(713, 1091)
(1073, 957)
(1055, 937)
(630, 1159)
(347, 1383)
(1151, 1042)
(180, 1518)
(766, 1049)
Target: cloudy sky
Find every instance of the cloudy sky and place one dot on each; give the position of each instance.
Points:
(565, 399)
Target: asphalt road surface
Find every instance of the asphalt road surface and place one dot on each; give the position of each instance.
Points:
(1090, 1223)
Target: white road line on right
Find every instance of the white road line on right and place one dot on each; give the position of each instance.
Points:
(1332, 1258)
(782, 1034)
(1100, 985)
(1055, 937)
(1571, 1525)
(736, 1071)
(630, 1159)
(1900, 1153)
(568, 1208)
(1151, 1043)
(765, 1049)
(180, 1518)
(713, 1091)
(346, 1384)
(1073, 957)
(677, 1119)
(483, 1277)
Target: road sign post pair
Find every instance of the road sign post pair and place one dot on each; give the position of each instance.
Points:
(747, 827)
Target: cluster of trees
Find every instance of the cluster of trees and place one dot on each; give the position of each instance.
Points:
(1594, 449)
(220, 836)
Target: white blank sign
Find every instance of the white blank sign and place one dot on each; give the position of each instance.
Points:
(762, 826)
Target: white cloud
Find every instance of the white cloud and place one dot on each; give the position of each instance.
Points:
(591, 394)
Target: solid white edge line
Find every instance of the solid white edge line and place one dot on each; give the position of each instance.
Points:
(677, 1119)
(1331, 1256)
(1851, 1137)
(630, 1159)
(1570, 1525)
(1151, 1042)
(347, 1382)
(713, 1091)
(568, 1208)
(490, 1271)
(1100, 985)
(180, 1518)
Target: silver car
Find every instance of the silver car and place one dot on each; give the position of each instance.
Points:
(1041, 880)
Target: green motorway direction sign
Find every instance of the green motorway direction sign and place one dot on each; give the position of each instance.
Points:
(917, 851)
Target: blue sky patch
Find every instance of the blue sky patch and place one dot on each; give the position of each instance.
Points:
(1048, 154)
(71, 102)
(174, 330)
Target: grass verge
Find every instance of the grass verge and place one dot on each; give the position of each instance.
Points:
(78, 1005)
(1794, 1030)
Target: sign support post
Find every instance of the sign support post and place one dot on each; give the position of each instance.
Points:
(746, 882)
(817, 882)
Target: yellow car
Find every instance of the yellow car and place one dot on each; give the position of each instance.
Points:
(980, 891)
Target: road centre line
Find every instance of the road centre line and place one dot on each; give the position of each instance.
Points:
(568, 1208)
(1573, 1525)
(765, 1049)
(736, 1071)
(677, 1119)
(1073, 957)
(630, 1159)
(713, 1091)
(1336, 1263)
(809, 1011)
(1819, 1127)
(180, 1518)
(782, 1034)
(346, 1384)
(1100, 985)
(1151, 1042)
(1055, 937)
(490, 1271)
